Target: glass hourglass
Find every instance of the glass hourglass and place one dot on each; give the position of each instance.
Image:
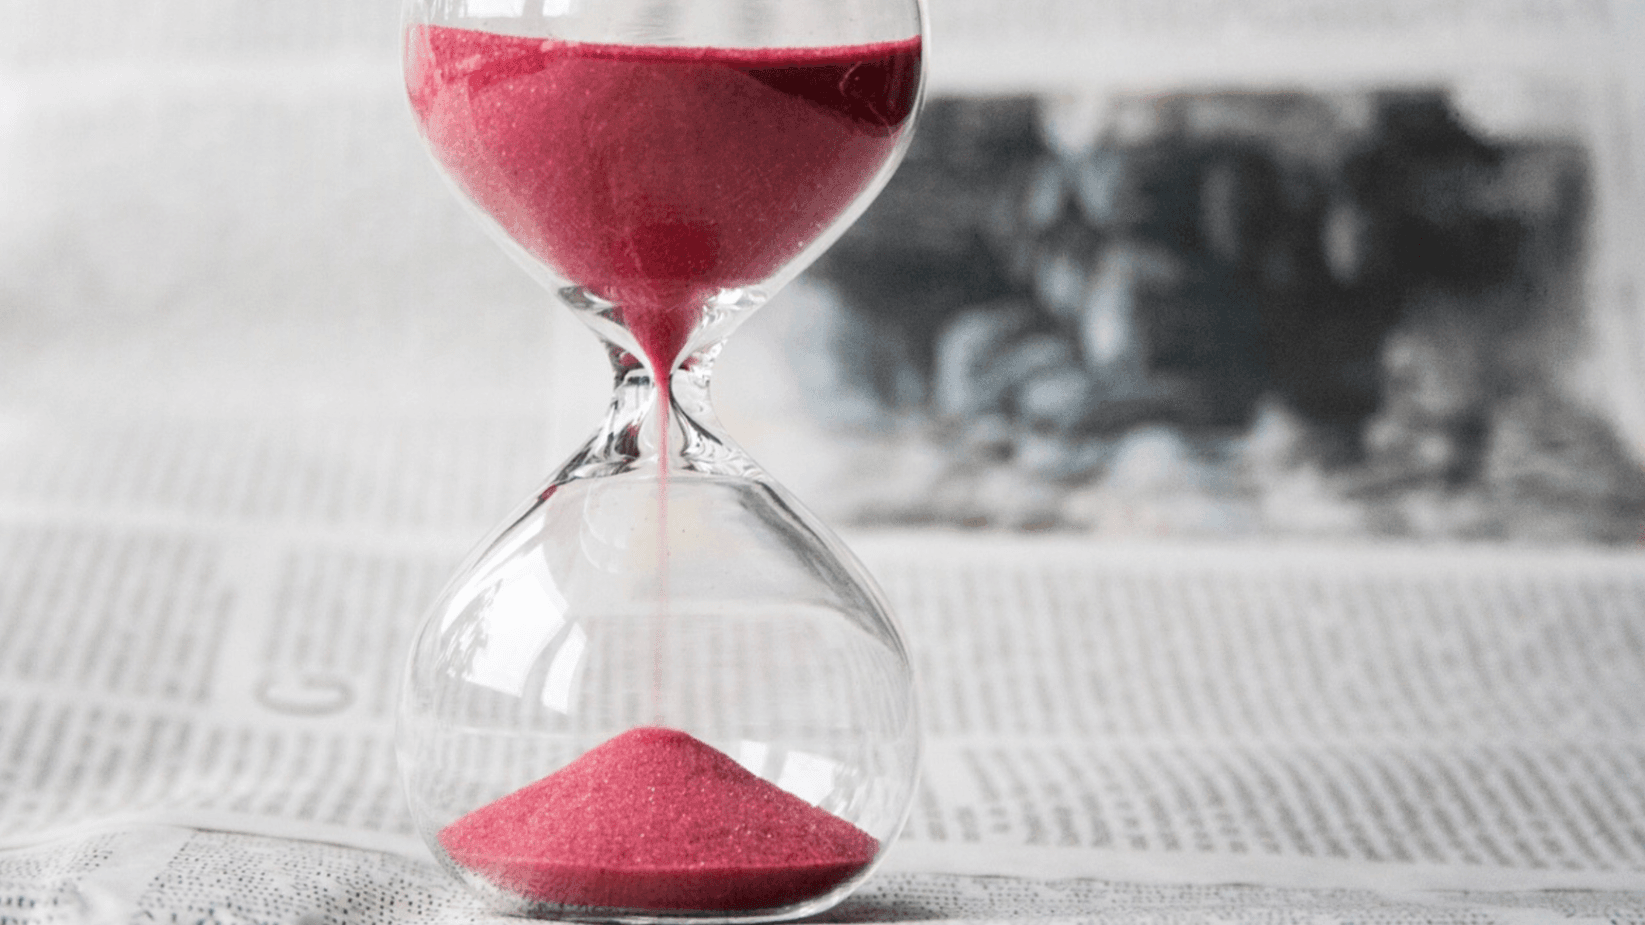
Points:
(662, 690)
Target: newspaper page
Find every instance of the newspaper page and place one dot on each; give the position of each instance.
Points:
(1179, 42)
(1441, 710)
(1419, 722)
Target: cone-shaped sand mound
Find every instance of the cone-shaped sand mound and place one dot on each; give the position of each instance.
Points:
(656, 819)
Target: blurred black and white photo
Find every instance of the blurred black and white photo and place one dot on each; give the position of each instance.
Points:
(1230, 312)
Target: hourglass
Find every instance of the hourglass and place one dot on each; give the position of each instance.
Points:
(662, 690)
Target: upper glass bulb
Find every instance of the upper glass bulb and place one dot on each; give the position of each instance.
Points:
(662, 163)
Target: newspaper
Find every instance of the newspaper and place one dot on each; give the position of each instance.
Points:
(1216, 728)
(1203, 41)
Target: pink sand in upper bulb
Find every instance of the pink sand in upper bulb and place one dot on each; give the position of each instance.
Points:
(655, 176)
(655, 819)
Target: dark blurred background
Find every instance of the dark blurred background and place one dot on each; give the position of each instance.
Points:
(1354, 297)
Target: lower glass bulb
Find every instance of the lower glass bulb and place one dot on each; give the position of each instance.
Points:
(660, 697)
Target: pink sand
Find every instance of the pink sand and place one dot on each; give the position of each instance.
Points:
(656, 819)
(654, 176)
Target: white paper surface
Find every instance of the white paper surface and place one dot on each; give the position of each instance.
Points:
(1408, 722)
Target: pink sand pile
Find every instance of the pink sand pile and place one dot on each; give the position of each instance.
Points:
(656, 819)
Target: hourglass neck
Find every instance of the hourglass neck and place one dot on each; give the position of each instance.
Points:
(648, 429)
